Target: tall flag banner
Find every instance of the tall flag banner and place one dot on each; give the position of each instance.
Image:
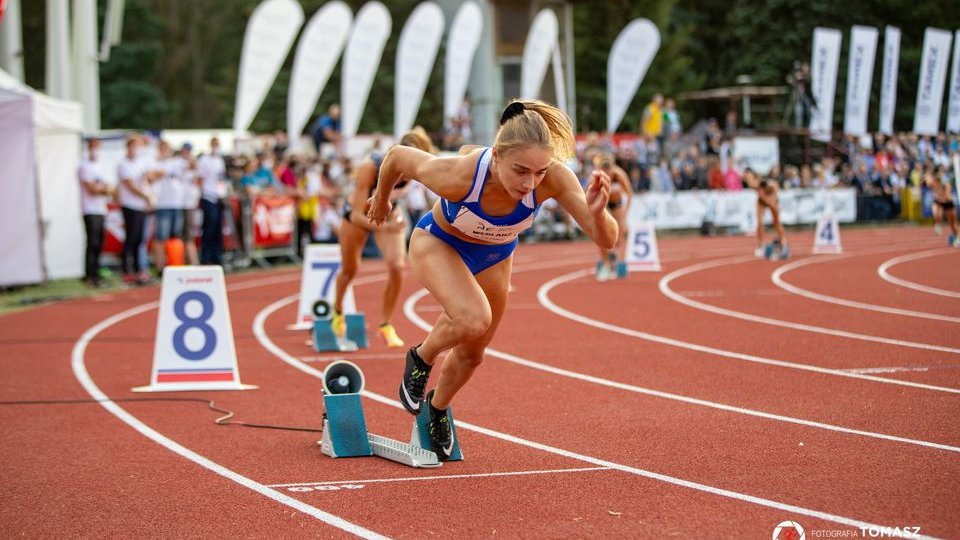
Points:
(953, 105)
(370, 31)
(269, 35)
(462, 42)
(933, 76)
(888, 82)
(86, 62)
(823, 80)
(558, 83)
(416, 52)
(11, 39)
(59, 72)
(537, 53)
(863, 50)
(629, 59)
(317, 53)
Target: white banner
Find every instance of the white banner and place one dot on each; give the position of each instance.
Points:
(888, 84)
(537, 51)
(370, 31)
(688, 209)
(629, 59)
(863, 51)
(953, 105)
(462, 44)
(317, 54)
(757, 153)
(933, 75)
(416, 52)
(267, 40)
(823, 80)
(559, 86)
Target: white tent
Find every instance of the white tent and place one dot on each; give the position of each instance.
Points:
(41, 225)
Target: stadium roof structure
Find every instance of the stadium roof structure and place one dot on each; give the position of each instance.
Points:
(734, 92)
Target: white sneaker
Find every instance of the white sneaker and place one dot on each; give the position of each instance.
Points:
(759, 253)
(603, 274)
(936, 229)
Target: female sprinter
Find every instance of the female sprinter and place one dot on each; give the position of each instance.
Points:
(943, 199)
(389, 234)
(462, 250)
(767, 197)
(621, 193)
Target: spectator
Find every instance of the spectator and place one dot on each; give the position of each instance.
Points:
(326, 133)
(671, 118)
(191, 202)
(211, 170)
(651, 123)
(94, 196)
(170, 191)
(136, 200)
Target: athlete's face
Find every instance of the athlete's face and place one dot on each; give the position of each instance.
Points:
(522, 169)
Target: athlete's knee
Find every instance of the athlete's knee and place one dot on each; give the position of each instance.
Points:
(474, 324)
(395, 268)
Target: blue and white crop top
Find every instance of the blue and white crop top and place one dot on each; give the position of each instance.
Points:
(469, 218)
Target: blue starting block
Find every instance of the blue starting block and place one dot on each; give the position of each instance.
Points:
(775, 251)
(419, 437)
(345, 428)
(622, 270)
(356, 329)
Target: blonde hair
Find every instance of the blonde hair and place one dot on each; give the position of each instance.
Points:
(528, 121)
(418, 138)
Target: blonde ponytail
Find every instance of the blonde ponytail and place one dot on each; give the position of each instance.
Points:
(528, 122)
(418, 138)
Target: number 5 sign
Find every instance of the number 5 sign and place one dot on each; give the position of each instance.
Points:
(194, 347)
(641, 248)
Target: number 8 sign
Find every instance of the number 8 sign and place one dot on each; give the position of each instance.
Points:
(194, 348)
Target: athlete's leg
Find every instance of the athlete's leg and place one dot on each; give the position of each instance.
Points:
(466, 312)
(781, 236)
(393, 247)
(760, 209)
(464, 358)
(352, 239)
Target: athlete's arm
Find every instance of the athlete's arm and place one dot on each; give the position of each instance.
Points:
(588, 209)
(448, 177)
(620, 175)
(366, 176)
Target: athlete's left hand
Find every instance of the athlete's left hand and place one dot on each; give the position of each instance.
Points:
(378, 211)
(598, 192)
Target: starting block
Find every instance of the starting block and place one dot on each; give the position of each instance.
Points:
(420, 439)
(345, 428)
(324, 339)
(622, 270)
(775, 251)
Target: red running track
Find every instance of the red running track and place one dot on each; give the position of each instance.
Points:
(603, 409)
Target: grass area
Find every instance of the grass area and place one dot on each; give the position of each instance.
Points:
(24, 297)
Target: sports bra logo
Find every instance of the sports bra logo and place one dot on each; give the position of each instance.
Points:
(478, 228)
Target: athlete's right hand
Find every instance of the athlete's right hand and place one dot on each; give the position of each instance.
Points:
(377, 211)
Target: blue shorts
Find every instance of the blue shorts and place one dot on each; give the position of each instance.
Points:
(169, 224)
(477, 257)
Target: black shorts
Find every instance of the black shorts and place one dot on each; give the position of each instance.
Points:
(613, 205)
(945, 205)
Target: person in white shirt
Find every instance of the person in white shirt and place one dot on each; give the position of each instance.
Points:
(170, 191)
(95, 193)
(136, 200)
(211, 170)
(191, 202)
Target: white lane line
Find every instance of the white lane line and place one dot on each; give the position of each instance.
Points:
(409, 309)
(778, 280)
(441, 477)
(884, 271)
(543, 295)
(258, 330)
(904, 369)
(78, 363)
(664, 286)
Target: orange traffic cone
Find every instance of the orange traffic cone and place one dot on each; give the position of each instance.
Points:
(174, 252)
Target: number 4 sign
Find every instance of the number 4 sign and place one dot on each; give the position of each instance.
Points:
(827, 236)
(642, 251)
(194, 348)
